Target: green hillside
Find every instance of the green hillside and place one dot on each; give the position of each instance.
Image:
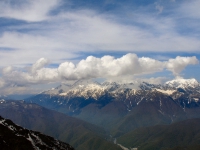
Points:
(184, 134)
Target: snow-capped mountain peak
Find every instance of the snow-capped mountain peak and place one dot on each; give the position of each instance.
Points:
(183, 83)
(82, 88)
(82, 93)
(92, 89)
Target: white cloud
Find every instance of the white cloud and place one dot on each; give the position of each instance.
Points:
(93, 67)
(20, 78)
(28, 48)
(2, 83)
(70, 33)
(179, 63)
(7, 70)
(36, 10)
(109, 66)
(39, 64)
(138, 80)
(9, 90)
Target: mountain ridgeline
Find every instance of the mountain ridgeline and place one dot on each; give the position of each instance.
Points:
(14, 137)
(120, 108)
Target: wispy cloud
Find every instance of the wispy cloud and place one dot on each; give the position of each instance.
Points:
(26, 10)
(41, 29)
(159, 7)
(69, 33)
(190, 9)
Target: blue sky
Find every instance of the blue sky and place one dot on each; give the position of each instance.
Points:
(47, 42)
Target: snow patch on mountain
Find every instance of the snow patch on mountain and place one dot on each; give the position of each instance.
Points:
(168, 92)
(196, 99)
(36, 139)
(183, 83)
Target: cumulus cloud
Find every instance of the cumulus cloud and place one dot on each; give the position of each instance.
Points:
(39, 64)
(37, 73)
(128, 64)
(108, 66)
(179, 63)
(93, 67)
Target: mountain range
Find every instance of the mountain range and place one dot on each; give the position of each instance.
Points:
(90, 115)
(120, 108)
(80, 134)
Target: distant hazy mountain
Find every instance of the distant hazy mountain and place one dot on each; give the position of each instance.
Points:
(124, 107)
(14, 137)
(80, 134)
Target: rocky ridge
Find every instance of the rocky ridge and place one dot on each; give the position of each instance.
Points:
(15, 137)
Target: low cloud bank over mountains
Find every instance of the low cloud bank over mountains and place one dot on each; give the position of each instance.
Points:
(92, 67)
